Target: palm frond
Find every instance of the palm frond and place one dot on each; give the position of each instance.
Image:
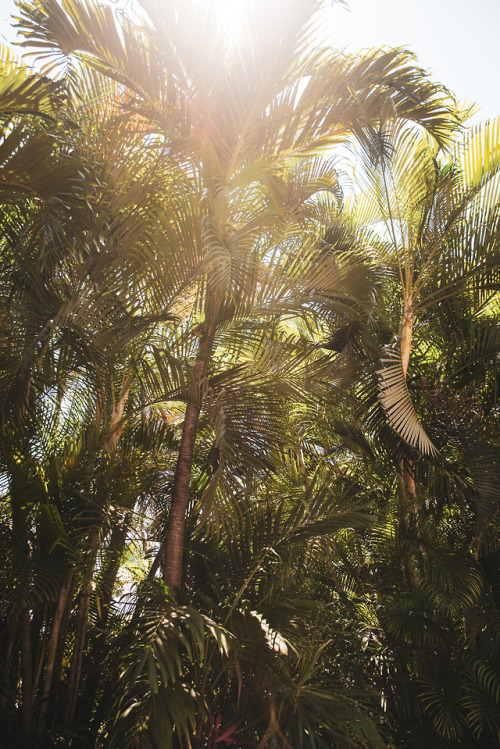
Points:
(395, 400)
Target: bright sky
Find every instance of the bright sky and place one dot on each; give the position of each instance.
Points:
(458, 40)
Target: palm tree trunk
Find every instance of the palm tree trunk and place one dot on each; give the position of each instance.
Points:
(111, 569)
(63, 631)
(406, 335)
(54, 642)
(116, 423)
(94, 660)
(174, 539)
(406, 331)
(39, 667)
(76, 661)
(27, 675)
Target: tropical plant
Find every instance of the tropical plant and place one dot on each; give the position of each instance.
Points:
(174, 250)
(244, 125)
(431, 588)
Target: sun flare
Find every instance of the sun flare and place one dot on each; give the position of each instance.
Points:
(231, 12)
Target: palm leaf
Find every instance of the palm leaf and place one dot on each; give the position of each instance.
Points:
(395, 400)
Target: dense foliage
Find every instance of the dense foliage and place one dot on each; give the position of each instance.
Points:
(249, 411)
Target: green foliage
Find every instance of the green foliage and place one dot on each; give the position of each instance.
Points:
(177, 239)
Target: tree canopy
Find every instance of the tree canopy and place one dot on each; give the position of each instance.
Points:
(249, 422)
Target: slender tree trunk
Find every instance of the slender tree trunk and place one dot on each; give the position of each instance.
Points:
(27, 676)
(93, 661)
(406, 336)
(116, 423)
(174, 539)
(410, 482)
(157, 561)
(406, 331)
(54, 643)
(39, 644)
(63, 631)
(39, 667)
(273, 729)
(76, 661)
(302, 466)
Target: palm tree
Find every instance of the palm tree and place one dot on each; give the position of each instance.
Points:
(427, 572)
(243, 124)
(73, 326)
(166, 287)
(440, 245)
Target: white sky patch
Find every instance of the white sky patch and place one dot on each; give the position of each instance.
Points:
(232, 11)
